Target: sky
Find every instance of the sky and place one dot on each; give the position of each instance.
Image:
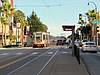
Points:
(55, 13)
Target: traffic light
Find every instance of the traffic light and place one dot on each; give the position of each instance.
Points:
(97, 29)
(79, 22)
(80, 16)
(84, 22)
(97, 26)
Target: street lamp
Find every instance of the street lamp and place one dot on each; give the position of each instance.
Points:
(96, 36)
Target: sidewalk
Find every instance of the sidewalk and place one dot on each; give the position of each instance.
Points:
(66, 64)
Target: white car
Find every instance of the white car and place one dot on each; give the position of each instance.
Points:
(89, 46)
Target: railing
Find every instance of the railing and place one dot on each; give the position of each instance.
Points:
(77, 53)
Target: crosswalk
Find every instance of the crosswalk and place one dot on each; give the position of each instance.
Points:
(49, 53)
(34, 53)
(18, 53)
(4, 54)
(98, 52)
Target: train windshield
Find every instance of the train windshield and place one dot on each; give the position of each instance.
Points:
(38, 37)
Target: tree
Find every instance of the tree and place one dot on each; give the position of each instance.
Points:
(85, 30)
(36, 24)
(4, 21)
(92, 16)
(19, 17)
(7, 10)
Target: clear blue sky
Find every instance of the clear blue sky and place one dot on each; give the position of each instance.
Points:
(55, 16)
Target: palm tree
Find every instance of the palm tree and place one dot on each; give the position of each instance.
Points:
(4, 21)
(20, 18)
(8, 11)
(24, 23)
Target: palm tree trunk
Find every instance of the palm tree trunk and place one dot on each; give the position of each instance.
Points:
(2, 35)
(5, 35)
(22, 35)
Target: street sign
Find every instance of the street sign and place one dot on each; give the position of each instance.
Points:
(95, 22)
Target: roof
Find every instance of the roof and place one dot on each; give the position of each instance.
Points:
(68, 27)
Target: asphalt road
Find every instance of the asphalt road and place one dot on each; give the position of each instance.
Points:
(26, 61)
(92, 62)
(38, 61)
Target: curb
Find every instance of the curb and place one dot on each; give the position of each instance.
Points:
(85, 65)
(15, 48)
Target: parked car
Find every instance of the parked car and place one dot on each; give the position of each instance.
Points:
(59, 42)
(89, 46)
(84, 41)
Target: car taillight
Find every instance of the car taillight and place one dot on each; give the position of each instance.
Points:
(94, 46)
(85, 46)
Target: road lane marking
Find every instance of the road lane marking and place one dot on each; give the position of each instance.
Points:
(8, 64)
(18, 53)
(34, 53)
(28, 62)
(5, 54)
(98, 52)
(64, 52)
(50, 53)
(9, 58)
(47, 62)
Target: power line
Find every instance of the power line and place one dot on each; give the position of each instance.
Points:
(51, 11)
(36, 5)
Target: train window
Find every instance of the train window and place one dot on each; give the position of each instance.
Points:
(43, 37)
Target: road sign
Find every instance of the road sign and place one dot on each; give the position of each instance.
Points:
(95, 22)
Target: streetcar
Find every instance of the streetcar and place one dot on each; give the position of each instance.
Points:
(41, 39)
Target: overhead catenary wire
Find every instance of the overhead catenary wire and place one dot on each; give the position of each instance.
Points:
(51, 11)
(45, 5)
(36, 6)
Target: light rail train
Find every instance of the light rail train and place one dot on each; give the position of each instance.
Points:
(41, 39)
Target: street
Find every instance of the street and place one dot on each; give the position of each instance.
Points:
(41, 38)
(38, 61)
(25, 61)
(92, 62)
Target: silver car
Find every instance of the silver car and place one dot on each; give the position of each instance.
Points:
(89, 46)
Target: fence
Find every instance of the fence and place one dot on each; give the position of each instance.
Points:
(77, 53)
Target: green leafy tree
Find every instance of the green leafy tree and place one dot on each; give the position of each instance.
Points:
(85, 30)
(36, 24)
(92, 16)
(19, 17)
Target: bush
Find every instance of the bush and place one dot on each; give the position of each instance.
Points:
(9, 46)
